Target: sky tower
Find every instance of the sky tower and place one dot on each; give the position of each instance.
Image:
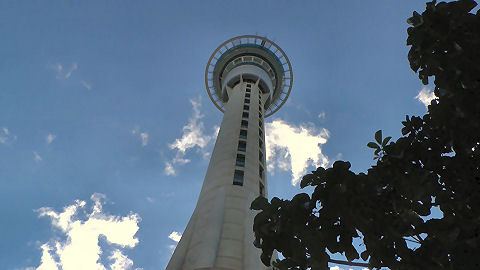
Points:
(248, 78)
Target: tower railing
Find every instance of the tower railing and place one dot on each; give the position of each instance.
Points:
(282, 88)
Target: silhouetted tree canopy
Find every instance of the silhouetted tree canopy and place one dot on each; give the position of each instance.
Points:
(436, 163)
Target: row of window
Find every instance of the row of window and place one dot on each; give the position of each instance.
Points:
(261, 187)
(260, 139)
(242, 145)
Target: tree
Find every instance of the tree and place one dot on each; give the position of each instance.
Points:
(435, 163)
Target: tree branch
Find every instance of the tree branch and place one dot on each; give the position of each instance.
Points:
(420, 238)
(350, 263)
(410, 240)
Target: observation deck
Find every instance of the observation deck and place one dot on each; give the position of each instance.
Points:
(249, 58)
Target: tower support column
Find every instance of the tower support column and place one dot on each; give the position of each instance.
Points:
(220, 232)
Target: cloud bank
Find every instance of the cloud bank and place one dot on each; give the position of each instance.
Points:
(80, 249)
(294, 148)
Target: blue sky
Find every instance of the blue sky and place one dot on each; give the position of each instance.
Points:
(99, 101)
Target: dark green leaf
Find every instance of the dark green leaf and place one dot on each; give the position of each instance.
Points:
(385, 141)
(378, 136)
(259, 203)
(373, 145)
(415, 20)
(351, 253)
(365, 255)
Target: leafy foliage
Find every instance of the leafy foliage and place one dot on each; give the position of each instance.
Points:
(436, 163)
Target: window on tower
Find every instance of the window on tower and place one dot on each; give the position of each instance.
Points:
(247, 101)
(246, 107)
(260, 156)
(260, 171)
(240, 160)
(260, 108)
(245, 115)
(260, 114)
(238, 178)
(260, 143)
(260, 124)
(243, 134)
(242, 146)
(248, 90)
(260, 133)
(244, 124)
(261, 189)
(247, 95)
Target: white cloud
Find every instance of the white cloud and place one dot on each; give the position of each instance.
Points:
(425, 96)
(142, 135)
(49, 138)
(179, 160)
(150, 199)
(37, 157)
(192, 132)
(169, 170)
(47, 262)
(294, 148)
(135, 130)
(175, 236)
(120, 261)
(58, 68)
(6, 136)
(172, 248)
(193, 137)
(216, 129)
(71, 70)
(61, 73)
(86, 85)
(80, 249)
(322, 115)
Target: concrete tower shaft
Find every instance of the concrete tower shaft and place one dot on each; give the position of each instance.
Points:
(247, 82)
